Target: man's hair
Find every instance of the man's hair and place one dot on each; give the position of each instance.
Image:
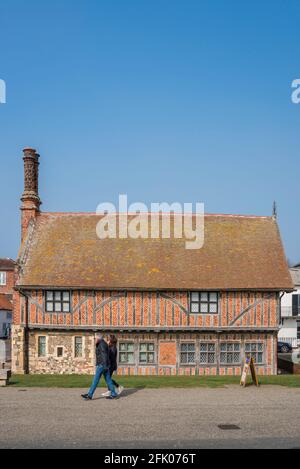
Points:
(99, 336)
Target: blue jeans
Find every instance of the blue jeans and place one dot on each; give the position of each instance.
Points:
(99, 372)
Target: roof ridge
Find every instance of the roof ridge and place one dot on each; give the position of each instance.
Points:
(229, 215)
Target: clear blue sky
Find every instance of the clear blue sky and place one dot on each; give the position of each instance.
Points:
(163, 100)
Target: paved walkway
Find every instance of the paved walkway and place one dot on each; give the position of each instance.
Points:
(158, 418)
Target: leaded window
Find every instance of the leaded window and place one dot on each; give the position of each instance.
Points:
(147, 353)
(58, 301)
(204, 302)
(78, 347)
(207, 353)
(126, 353)
(230, 353)
(187, 353)
(256, 351)
(42, 346)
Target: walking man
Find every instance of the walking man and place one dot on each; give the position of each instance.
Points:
(102, 368)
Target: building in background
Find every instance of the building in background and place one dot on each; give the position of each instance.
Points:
(290, 312)
(175, 311)
(7, 267)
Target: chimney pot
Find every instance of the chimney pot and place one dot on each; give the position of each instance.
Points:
(30, 199)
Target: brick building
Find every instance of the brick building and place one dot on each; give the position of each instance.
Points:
(175, 311)
(7, 268)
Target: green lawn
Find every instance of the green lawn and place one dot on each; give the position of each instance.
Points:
(80, 381)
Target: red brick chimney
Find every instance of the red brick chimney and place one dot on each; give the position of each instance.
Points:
(31, 202)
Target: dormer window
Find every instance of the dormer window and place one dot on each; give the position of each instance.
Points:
(58, 301)
(204, 302)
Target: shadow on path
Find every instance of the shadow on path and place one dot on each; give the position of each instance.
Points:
(125, 393)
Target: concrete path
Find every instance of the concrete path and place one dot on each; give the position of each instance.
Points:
(268, 417)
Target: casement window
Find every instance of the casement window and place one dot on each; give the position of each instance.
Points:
(2, 279)
(126, 353)
(207, 353)
(204, 302)
(256, 351)
(147, 353)
(230, 353)
(187, 353)
(58, 301)
(78, 347)
(42, 346)
(296, 305)
(59, 352)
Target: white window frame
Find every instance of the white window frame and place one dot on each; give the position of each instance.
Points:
(3, 279)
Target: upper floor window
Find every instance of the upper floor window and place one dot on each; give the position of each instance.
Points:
(58, 301)
(2, 279)
(204, 302)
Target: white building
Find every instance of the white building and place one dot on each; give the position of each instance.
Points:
(290, 312)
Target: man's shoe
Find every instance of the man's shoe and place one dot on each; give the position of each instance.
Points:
(120, 389)
(106, 394)
(86, 397)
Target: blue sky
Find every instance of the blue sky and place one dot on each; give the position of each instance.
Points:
(162, 100)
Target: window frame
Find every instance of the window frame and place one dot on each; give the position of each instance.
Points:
(126, 352)
(147, 352)
(58, 347)
(256, 352)
(181, 352)
(3, 278)
(208, 352)
(54, 301)
(38, 346)
(227, 352)
(201, 302)
(81, 338)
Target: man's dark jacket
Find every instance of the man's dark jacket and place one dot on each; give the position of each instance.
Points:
(102, 358)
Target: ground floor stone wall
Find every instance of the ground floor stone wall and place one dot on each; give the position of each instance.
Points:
(193, 353)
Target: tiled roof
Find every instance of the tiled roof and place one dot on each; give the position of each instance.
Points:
(5, 303)
(7, 264)
(239, 253)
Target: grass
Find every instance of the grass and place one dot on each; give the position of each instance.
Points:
(82, 381)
